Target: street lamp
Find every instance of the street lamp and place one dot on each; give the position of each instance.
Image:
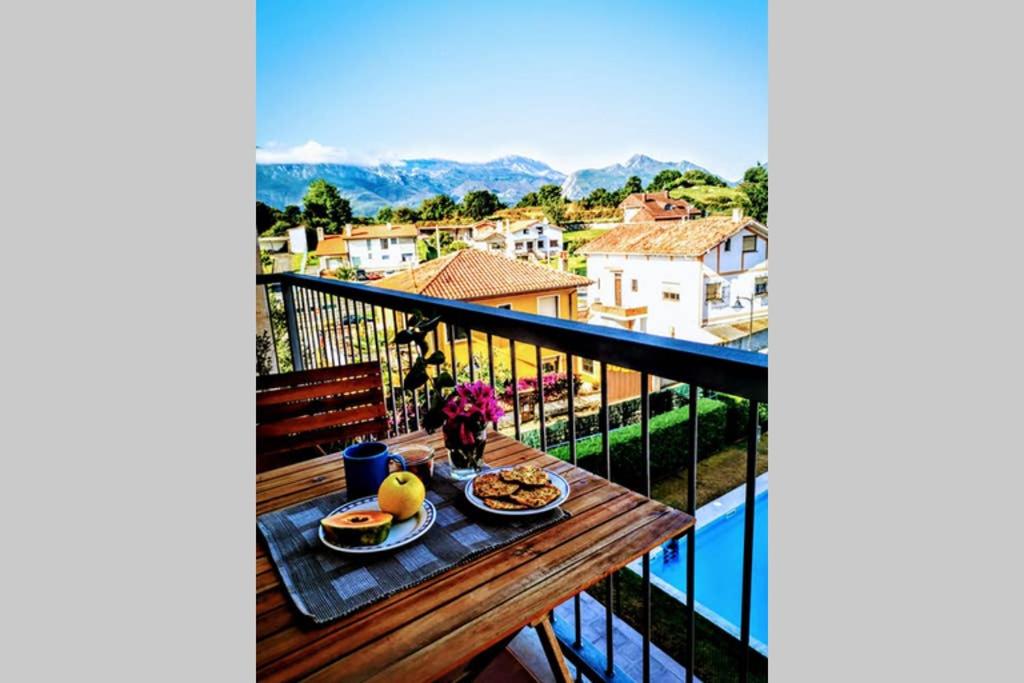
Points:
(739, 307)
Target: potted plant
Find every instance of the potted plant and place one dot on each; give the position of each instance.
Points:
(463, 412)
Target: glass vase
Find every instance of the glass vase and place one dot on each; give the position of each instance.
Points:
(467, 461)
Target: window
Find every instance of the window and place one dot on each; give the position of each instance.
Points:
(634, 286)
(394, 240)
(551, 364)
(670, 296)
(553, 244)
(749, 243)
(713, 291)
(383, 242)
(540, 229)
(529, 244)
(587, 366)
(406, 257)
(507, 307)
(728, 244)
(369, 245)
(385, 257)
(547, 305)
(761, 286)
(458, 333)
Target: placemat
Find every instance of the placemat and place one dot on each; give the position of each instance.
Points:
(326, 585)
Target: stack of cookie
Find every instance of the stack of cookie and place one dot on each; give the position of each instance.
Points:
(520, 488)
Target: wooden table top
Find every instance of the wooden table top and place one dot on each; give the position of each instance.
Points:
(428, 630)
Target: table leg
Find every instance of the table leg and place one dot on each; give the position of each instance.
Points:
(552, 650)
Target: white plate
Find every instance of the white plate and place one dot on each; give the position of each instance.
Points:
(402, 533)
(553, 478)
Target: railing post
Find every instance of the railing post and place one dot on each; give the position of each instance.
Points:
(293, 328)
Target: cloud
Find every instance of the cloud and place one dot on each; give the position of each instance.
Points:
(312, 152)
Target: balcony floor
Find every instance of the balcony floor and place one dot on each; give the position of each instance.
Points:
(628, 647)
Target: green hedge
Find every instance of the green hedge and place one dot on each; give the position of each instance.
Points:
(737, 410)
(669, 444)
(620, 414)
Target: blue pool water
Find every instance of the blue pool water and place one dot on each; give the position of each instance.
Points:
(719, 570)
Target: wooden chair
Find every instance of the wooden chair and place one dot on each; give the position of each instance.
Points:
(298, 414)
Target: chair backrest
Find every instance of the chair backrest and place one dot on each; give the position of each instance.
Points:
(298, 411)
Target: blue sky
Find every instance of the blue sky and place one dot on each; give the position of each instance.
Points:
(574, 84)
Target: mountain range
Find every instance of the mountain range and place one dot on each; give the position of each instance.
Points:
(408, 182)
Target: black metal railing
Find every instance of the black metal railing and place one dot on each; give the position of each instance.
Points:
(319, 322)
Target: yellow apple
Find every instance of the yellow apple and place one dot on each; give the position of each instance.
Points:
(401, 494)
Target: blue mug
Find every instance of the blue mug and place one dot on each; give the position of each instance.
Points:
(366, 467)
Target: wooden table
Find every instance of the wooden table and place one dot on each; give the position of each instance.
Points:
(466, 614)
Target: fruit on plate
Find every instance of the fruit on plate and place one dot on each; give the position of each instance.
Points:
(401, 494)
(357, 527)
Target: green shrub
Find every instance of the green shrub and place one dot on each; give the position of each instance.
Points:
(620, 414)
(669, 439)
(737, 413)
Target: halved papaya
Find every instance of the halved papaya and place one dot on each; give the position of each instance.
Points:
(357, 527)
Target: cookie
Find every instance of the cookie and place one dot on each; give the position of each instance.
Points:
(536, 497)
(525, 474)
(502, 504)
(491, 486)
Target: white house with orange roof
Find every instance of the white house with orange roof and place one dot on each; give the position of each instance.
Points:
(381, 248)
(688, 279)
(518, 238)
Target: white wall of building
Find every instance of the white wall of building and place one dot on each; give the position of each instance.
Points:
(370, 254)
(734, 259)
(647, 279)
(542, 238)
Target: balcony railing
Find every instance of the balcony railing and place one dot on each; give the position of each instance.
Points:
(330, 322)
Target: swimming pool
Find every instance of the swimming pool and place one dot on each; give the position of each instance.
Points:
(719, 565)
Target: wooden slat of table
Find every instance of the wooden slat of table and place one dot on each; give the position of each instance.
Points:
(426, 631)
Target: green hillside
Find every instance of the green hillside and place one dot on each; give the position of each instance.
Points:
(712, 199)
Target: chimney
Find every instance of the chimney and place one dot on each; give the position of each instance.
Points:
(645, 196)
(348, 230)
(319, 235)
(389, 225)
(737, 214)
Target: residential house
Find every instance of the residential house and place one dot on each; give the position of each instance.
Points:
(381, 248)
(687, 279)
(496, 280)
(332, 250)
(519, 238)
(656, 206)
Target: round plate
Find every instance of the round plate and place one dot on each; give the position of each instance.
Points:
(553, 478)
(402, 533)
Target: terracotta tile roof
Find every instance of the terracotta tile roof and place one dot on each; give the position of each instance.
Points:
(475, 274)
(332, 245)
(362, 232)
(677, 238)
(652, 206)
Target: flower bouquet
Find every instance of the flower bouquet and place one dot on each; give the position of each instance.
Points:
(467, 413)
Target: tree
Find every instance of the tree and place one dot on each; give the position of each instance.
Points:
(292, 215)
(554, 211)
(456, 245)
(266, 216)
(664, 180)
(548, 194)
(385, 214)
(600, 197)
(404, 214)
(529, 199)
(633, 185)
(438, 208)
(695, 177)
(755, 186)
(479, 204)
(325, 207)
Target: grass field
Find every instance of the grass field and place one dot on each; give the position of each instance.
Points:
(712, 199)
